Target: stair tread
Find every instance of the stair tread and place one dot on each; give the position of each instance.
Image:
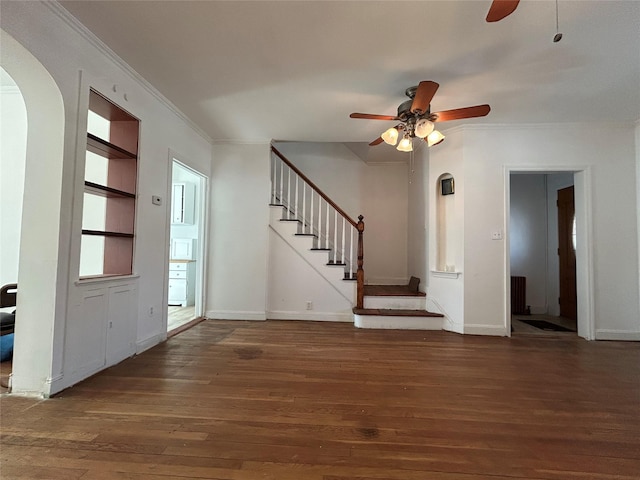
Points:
(306, 235)
(391, 312)
(391, 291)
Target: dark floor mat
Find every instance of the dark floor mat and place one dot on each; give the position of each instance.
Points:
(544, 325)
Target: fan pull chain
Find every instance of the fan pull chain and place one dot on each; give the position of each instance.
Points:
(558, 36)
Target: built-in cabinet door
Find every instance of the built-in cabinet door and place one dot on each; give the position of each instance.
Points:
(121, 323)
(177, 291)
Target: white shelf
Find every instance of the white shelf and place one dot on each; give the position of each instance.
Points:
(442, 274)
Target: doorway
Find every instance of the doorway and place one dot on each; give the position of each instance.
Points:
(542, 240)
(186, 241)
(13, 155)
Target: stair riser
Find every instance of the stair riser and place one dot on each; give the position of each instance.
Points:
(385, 322)
(396, 303)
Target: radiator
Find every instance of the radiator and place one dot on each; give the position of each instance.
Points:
(518, 295)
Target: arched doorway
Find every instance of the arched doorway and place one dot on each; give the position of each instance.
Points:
(41, 285)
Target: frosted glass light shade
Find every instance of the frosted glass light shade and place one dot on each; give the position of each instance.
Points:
(423, 128)
(405, 144)
(434, 138)
(390, 136)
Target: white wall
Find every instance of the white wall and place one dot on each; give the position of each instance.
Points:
(417, 218)
(238, 232)
(76, 60)
(528, 236)
(293, 281)
(377, 191)
(13, 146)
(446, 290)
(608, 215)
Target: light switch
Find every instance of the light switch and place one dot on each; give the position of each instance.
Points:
(156, 200)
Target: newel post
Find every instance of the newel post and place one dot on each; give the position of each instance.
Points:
(360, 271)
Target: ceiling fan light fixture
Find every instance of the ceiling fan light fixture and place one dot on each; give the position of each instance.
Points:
(434, 138)
(390, 136)
(405, 145)
(423, 128)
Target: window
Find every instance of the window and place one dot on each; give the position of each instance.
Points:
(110, 179)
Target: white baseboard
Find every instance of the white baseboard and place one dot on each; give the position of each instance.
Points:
(494, 330)
(235, 315)
(312, 316)
(147, 343)
(449, 326)
(623, 335)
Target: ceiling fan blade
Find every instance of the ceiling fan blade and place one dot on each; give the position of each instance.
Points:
(460, 113)
(370, 116)
(424, 94)
(500, 9)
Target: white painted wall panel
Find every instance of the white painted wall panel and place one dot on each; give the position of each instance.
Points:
(237, 263)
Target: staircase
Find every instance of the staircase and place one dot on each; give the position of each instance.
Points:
(396, 307)
(321, 259)
(332, 244)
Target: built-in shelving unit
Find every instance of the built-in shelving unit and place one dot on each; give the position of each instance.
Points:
(110, 186)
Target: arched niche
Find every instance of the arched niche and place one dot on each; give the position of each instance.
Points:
(445, 217)
(39, 284)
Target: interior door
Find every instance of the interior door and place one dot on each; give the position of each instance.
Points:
(567, 253)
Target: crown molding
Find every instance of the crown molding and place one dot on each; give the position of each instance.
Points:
(238, 141)
(535, 126)
(91, 38)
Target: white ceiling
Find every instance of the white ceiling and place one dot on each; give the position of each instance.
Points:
(295, 70)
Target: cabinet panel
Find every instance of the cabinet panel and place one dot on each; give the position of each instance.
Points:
(182, 283)
(182, 248)
(182, 203)
(177, 291)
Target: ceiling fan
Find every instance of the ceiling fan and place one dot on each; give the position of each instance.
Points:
(417, 120)
(500, 9)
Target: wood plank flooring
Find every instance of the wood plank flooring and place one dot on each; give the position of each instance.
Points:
(286, 400)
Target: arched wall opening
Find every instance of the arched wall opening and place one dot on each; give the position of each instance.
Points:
(445, 231)
(13, 147)
(38, 300)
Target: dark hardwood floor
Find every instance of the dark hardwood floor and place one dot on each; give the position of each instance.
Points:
(325, 401)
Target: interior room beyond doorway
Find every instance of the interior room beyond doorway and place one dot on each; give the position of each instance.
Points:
(185, 258)
(537, 223)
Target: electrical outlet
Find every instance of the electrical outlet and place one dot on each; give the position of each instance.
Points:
(151, 311)
(309, 305)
